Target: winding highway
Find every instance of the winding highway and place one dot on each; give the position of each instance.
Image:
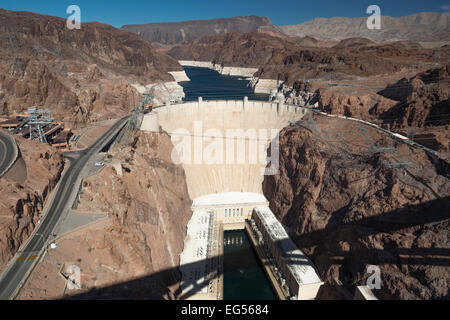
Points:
(8, 152)
(19, 269)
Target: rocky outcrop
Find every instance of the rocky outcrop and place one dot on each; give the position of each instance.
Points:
(149, 206)
(367, 106)
(81, 75)
(423, 100)
(421, 109)
(300, 94)
(352, 197)
(406, 44)
(248, 50)
(354, 43)
(24, 191)
(172, 33)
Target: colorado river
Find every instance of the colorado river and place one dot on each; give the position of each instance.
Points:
(244, 277)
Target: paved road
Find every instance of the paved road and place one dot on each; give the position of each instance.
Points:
(13, 277)
(8, 151)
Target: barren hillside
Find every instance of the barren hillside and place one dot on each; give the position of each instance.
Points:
(172, 33)
(424, 26)
(352, 197)
(79, 74)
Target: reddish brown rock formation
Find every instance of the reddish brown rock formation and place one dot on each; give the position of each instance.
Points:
(22, 202)
(362, 104)
(150, 208)
(135, 255)
(79, 74)
(354, 43)
(352, 197)
(423, 99)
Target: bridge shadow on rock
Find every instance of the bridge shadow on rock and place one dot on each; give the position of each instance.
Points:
(155, 286)
(408, 242)
(424, 214)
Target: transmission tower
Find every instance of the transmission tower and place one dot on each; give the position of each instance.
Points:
(133, 124)
(38, 120)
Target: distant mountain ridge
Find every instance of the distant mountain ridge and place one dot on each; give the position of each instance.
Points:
(423, 26)
(171, 33)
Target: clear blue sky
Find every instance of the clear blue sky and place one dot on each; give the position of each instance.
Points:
(281, 12)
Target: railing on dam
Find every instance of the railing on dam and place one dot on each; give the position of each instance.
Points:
(244, 106)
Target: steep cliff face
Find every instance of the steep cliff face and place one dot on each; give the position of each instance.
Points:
(368, 106)
(172, 33)
(24, 190)
(352, 197)
(149, 207)
(417, 107)
(232, 49)
(423, 100)
(76, 73)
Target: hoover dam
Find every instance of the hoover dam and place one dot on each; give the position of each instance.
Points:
(226, 147)
(248, 126)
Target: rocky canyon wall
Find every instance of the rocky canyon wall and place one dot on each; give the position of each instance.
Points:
(352, 197)
(149, 208)
(81, 75)
(24, 189)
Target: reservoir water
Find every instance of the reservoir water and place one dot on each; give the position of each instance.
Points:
(243, 275)
(211, 85)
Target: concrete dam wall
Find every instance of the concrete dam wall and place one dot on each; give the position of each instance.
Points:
(222, 145)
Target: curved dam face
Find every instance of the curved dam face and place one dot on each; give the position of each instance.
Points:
(222, 145)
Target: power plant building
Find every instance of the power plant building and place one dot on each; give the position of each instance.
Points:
(297, 271)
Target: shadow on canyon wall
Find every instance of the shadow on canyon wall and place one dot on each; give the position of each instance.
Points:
(430, 213)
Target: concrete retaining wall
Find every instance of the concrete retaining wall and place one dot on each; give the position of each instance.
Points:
(264, 85)
(200, 64)
(225, 70)
(179, 76)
